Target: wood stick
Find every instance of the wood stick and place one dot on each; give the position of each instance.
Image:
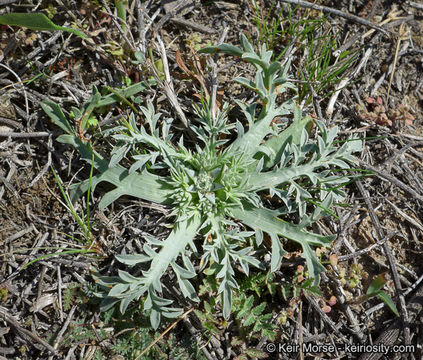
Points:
(15, 324)
(329, 10)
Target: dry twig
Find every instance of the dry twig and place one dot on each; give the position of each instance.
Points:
(329, 10)
(394, 180)
(390, 336)
(26, 333)
(390, 259)
(25, 135)
(167, 84)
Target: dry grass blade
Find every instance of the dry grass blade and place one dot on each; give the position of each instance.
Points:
(167, 84)
(404, 34)
(390, 259)
(191, 74)
(394, 180)
(406, 217)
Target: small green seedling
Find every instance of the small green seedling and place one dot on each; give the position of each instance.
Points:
(375, 290)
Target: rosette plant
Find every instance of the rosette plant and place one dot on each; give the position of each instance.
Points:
(220, 188)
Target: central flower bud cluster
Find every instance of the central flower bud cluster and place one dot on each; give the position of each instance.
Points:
(204, 182)
(205, 189)
(208, 184)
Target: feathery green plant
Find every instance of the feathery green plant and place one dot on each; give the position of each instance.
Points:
(216, 188)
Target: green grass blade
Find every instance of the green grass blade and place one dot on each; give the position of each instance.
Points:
(121, 12)
(73, 251)
(70, 205)
(36, 22)
(377, 284)
(88, 195)
(388, 301)
(125, 93)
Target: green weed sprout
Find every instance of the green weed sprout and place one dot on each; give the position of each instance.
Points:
(217, 189)
(375, 289)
